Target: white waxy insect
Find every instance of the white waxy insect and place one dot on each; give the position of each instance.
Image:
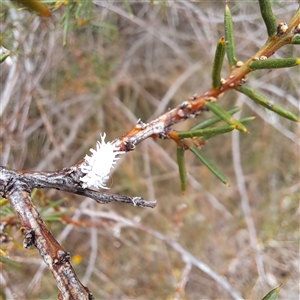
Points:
(98, 166)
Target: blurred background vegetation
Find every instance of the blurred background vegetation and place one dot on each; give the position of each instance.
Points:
(99, 66)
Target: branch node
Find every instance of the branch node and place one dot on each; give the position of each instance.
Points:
(140, 124)
(61, 257)
(28, 237)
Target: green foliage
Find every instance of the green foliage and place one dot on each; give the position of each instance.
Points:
(207, 133)
(3, 202)
(268, 16)
(225, 116)
(240, 70)
(9, 262)
(193, 226)
(51, 210)
(218, 63)
(215, 119)
(77, 13)
(4, 56)
(6, 210)
(181, 167)
(296, 39)
(275, 63)
(53, 215)
(209, 165)
(265, 102)
(272, 295)
(128, 8)
(229, 37)
(225, 129)
(74, 14)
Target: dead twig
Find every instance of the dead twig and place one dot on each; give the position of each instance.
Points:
(36, 233)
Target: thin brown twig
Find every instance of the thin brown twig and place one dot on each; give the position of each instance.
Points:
(236, 154)
(187, 257)
(67, 179)
(183, 281)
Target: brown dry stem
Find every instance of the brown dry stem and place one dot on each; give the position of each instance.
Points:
(36, 233)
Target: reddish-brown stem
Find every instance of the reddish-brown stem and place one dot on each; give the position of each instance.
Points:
(160, 127)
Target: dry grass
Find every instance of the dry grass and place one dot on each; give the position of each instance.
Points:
(104, 79)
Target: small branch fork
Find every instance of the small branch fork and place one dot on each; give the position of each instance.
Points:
(16, 186)
(36, 233)
(161, 127)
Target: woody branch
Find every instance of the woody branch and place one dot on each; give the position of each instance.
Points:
(16, 186)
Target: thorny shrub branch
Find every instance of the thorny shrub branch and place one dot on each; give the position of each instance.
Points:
(16, 186)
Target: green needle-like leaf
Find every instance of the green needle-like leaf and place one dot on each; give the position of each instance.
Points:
(225, 129)
(128, 8)
(215, 119)
(66, 25)
(211, 167)
(275, 63)
(296, 39)
(224, 115)
(265, 102)
(2, 294)
(33, 193)
(6, 211)
(77, 12)
(51, 205)
(55, 216)
(268, 16)
(206, 131)
(272, 295)
(9, 262)
(229, 38)
(210, 132)
(4, 56)
(3, 202)
(218, 62)
(181, 167)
